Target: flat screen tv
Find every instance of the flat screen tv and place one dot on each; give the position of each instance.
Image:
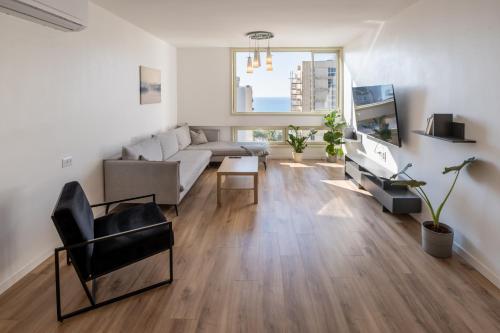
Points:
(376, 114)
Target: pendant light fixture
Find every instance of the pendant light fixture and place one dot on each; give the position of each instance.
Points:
(249, 60)
(255, 62)
(256, 55)
(269, 58)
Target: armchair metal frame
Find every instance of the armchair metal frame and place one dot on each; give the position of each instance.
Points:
(91, 295)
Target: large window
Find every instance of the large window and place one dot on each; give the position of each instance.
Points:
(269, 135)
(302, 81)
(273, 135)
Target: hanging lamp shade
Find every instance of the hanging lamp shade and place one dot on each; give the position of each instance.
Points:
(256, 59)
(269, 67)
(269, 57)
(249, 65)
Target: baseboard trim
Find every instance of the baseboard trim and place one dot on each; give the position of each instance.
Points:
(24, 271)
(471, 260)
(477, 264)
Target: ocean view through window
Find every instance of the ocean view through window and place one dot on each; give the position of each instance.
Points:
(277, 104)
(302, 81)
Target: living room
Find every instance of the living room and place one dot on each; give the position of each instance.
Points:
(348, 220)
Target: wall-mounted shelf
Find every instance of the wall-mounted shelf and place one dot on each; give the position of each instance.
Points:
(446, 138)
(442, 127)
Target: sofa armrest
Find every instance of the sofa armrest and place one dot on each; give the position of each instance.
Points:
(130, 178)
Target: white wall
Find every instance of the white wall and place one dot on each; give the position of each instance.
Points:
(443, 57)
(204, 97)
(68, 94)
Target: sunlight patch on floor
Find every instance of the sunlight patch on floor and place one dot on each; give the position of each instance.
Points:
(346, 185)
(335, 209)
(296, 165)
(330, 165)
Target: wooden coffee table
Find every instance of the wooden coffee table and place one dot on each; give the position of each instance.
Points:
(240, 173)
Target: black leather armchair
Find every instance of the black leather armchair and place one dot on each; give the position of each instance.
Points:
(99, 246)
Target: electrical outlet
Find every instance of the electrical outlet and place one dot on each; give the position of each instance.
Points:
(383, 155)
(67, 161)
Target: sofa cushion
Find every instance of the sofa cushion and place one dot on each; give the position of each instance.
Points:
(183, 136)
(198, 137)
(224, 148)
(149, 149)
(193, 162)
(169, 144)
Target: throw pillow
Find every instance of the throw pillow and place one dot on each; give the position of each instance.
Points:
(150, 149)
(169, 145)
(183, 136)
(198, 137)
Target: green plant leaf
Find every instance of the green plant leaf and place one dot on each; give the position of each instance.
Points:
(459, 167)
(408, 182)
(394, 176)
(330, 149)
(328, 137)
(337, 135)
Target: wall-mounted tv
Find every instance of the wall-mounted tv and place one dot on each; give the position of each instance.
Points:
(376, 114)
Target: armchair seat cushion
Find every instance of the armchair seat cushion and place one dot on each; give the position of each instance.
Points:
(112, 254)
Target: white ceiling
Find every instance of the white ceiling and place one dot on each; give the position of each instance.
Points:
(200, 23)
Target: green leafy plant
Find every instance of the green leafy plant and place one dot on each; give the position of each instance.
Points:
(334, 135)
(418, 186)
(298, 140)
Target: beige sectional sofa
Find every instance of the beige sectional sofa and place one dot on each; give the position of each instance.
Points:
(168, 164)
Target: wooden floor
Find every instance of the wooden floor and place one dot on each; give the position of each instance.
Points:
(315, 255)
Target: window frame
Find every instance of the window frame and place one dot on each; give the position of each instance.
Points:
(339, 88)
(234, 134)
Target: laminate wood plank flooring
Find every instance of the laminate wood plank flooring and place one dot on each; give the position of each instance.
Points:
(315, 255)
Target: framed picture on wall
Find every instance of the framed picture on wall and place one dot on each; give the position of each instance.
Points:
(150, 85)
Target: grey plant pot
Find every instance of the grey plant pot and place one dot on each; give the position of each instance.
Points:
(331, 158)
(437, 244)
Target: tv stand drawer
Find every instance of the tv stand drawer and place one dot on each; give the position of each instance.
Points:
(352, 169)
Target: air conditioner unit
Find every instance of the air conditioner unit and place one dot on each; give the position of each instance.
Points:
(66, 15)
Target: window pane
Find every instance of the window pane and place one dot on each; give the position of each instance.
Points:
(317, 138)
(259, 135)
(299, 82)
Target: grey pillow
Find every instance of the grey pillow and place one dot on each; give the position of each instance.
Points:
(149, 149)
(183, 136)
(169, 145)
(198, 137)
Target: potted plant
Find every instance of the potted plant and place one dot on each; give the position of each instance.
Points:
(437, 237)
(334, 136)
(298, 141)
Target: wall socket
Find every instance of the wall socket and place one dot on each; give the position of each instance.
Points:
(67, 161)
